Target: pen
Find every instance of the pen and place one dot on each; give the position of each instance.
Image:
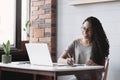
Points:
(69, 56)
(71, 60)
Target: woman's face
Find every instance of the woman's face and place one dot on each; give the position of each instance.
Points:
(87, 30)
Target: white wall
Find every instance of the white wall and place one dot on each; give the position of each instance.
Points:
(70, 19)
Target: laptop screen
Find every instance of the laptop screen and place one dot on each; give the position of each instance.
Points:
(39, 54)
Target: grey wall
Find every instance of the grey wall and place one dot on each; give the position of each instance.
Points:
(70, 19)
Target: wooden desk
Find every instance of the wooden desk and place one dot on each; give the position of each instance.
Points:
(52, 71)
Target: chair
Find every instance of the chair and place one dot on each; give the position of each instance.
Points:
(105, 69)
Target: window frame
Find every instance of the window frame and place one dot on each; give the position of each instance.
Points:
(18, 24)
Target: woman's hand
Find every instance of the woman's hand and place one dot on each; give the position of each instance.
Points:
(90, 62)
(70, 61)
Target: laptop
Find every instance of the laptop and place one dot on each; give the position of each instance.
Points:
(39, 54)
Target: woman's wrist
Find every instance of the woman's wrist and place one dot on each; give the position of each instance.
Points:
(62, 61)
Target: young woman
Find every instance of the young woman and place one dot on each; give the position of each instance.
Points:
(91, 49)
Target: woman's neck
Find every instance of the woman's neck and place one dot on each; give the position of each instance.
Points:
(85, 42)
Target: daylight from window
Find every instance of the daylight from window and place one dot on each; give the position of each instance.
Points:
(7, 20)
(25, 18)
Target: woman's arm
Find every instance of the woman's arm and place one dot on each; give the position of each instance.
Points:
(90, 62)
(62, 59)
(65, 58)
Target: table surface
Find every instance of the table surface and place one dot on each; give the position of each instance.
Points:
(56, 68)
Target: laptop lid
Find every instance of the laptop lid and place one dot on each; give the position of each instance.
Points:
(39, 54)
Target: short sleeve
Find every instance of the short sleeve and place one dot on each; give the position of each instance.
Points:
(71, 48)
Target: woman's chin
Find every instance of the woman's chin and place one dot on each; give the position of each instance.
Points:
(85, 37)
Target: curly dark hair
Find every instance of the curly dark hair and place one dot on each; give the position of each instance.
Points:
(100, 43)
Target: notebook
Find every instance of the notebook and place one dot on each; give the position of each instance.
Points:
(39, 54)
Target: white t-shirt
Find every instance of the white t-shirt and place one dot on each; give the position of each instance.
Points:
(80, 53)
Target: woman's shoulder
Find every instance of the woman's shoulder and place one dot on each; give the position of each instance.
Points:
(77, 40)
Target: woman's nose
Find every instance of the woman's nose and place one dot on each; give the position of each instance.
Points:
(86, 31)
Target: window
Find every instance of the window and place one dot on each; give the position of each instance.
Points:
(25, 18)
(10, 22)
